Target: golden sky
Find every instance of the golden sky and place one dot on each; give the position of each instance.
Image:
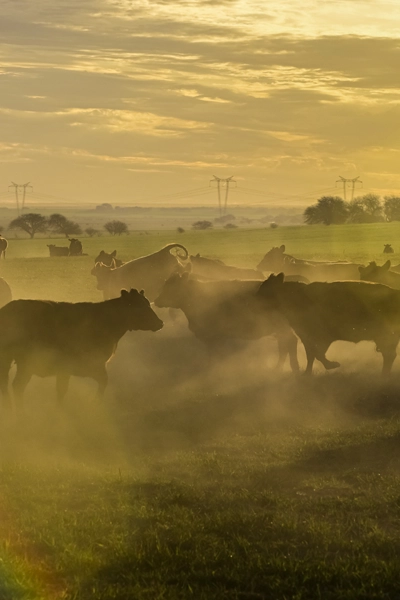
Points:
(136, 101)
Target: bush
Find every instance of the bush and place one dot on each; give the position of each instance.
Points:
(202, 225)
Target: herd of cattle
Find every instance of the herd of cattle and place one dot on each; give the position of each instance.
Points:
(286, 297)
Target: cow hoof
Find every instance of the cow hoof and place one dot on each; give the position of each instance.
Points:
(331, 364)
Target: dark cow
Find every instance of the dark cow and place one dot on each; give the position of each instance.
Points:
(380, 274)
(75, 247)
(58, 250)
(5, 292)
(148, 272)
(60, 338)
(3, 246)
(276, 261)
(387, 249)
(216, 269)
(108, 259)
(218, 311)
(321, 313)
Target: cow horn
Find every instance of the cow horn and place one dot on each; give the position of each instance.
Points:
(170, 246)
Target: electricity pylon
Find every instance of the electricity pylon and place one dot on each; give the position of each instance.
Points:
(345, 181)
(18, 187)
(227, 182)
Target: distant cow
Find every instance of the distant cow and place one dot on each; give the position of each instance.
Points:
(108, 259)
(221, 310)
(276, 261)
(216, 269)
(387, 249)
(58, 250)
(321, 313)
(75, 247)
(5, 292)
(3, 246)
(380, 274)
(148, 272)
(60, 338)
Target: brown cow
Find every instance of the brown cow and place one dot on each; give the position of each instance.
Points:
(321, 313)
(60, 338)
(380, 274)
(216, 269)
(148, 272)
(221, 310)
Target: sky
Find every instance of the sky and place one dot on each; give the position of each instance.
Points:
(143, 102)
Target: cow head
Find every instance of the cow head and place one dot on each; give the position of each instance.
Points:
(270, 289)
(106, 258)
(373, 272)
(102, 272)
(173, 292)
(136, 312)
(273, 260)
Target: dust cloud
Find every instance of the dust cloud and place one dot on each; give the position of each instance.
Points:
(167, 393)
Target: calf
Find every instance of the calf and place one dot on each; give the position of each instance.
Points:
(58, 250)
(321, 313)
(221, 310)
(60, 338)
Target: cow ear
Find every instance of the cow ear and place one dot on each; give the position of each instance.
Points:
(113, 254)
(280, 278)
(124, 293)
(142, 292)
(282, 248)
(198, 255)
(387, 265)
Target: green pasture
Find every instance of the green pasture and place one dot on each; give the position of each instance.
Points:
(195, 479)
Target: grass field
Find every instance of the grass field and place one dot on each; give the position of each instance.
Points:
(202, 480)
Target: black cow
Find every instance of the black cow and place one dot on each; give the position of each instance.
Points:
(60, 338)
(58, 250)
(75, 247)
(221, 310)
(321, 313)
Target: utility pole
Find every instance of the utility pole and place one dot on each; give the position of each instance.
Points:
(353, 183)
(227, 182)
(17, 187)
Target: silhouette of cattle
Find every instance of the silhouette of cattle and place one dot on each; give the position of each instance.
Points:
(321, 313)
(218, 311)
(216, 269)
(5, 292)
(380, 274)
(75, 247)
(148, 272)
(387, 249)
(277, 261)
(58, 250)
(60, 338)
(108, 259)
(3, 246)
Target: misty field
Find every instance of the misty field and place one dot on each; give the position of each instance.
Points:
(199, 478)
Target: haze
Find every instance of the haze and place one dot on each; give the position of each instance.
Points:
(135, 102)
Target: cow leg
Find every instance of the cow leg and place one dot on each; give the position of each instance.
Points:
(4, 371)
(62, 381)
(387, 348)
(310, 353)
(287, 344)
(101, 377)
(21, 380)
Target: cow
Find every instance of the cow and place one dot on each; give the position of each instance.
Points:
(58, 250)
(321, 313)
(148, 272)
(216, 269)
(380, 274)
(3, 246)
(109, 260)
(387, 249)
(47, 338)
(276, 260)
(5, 292)
(218, 311)
(75, 247)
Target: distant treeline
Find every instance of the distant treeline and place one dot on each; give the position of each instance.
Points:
(330, 210)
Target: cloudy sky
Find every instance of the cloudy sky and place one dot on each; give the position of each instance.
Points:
(136, 101)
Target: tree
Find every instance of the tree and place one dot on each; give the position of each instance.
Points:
(116, 227)
(391, 208)
(202, 225)
(329, 210)
(60, 224)
(31, 223)
(365, 209)
(90, 231)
